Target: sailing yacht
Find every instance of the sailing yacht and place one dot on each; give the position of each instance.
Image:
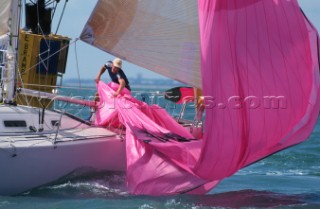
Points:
(256, 62)
(39, 145)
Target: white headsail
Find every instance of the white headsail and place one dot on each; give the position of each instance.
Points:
(5, 6)
(4, 16)
(161, 36)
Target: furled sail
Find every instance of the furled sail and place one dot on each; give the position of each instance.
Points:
(161, 36)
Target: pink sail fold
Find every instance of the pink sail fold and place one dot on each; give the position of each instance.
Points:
(160, 152)
(260, 73)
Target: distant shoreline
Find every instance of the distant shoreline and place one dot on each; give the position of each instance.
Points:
(152, 84)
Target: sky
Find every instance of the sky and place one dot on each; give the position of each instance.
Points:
(91, 59)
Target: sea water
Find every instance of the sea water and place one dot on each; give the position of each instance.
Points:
(288, 179)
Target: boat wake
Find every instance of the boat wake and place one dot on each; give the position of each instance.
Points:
(83, 192)
(88, 184)
(105, 188)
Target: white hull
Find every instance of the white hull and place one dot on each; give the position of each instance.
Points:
(29, 160)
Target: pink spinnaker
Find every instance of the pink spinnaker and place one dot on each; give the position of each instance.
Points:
(260, 73)
(252, 51)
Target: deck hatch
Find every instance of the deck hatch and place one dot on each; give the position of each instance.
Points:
(15, 123)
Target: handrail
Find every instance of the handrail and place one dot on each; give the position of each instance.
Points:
(46, 95)
(183, 108)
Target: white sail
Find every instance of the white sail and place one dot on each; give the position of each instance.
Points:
(4, 16)
(161, 36)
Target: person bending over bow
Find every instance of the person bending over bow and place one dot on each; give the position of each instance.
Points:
(116, 75)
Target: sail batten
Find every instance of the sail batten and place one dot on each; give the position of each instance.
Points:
(161, 36)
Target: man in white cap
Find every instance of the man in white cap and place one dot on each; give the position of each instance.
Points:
(116, 74)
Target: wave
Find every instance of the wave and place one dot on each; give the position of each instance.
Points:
(84, 183)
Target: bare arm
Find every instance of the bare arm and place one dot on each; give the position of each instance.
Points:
(121, 86)
(102, 70)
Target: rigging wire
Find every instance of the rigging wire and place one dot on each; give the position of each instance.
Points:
(77, 64)
(38, 28)
(51, 55)
(58, 51)
(44, 63)
(54, 10)
(50, 2)
(61, 16)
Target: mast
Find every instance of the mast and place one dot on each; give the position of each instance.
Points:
(11, 54)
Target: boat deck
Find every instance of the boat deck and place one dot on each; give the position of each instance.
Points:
(55, 137)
